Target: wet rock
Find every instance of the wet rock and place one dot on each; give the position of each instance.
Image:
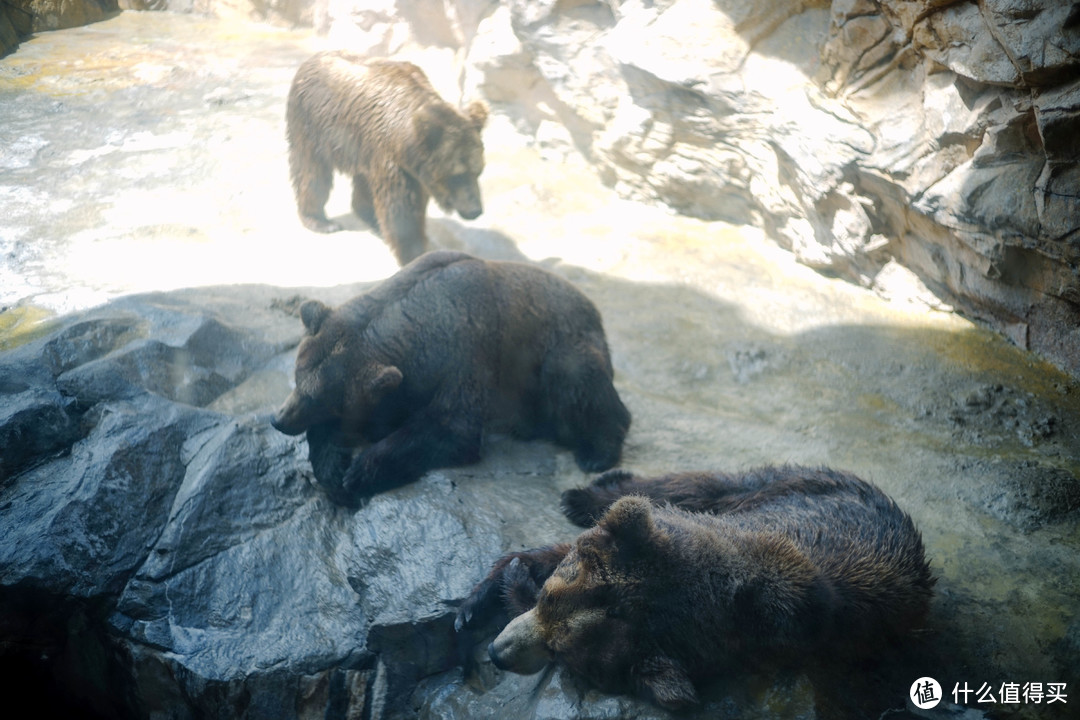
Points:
(34, 424)
(230, 585)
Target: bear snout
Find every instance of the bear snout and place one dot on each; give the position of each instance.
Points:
(471, 213)
(283, 426)
(466, 199)
(519, 648)
(287, 419)
(496, 659)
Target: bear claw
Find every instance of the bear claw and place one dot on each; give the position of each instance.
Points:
(580, 508)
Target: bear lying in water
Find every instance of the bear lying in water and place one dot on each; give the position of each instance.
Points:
(690, 577)
(451, 347)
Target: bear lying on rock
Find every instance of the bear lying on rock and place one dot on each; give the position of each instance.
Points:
(381, 123)
(691, 577)
(451, 347)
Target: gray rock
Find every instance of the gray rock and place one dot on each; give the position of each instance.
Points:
(231, 584)
(938, 133)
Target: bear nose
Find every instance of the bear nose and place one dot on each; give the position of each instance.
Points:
(495, 659)
(471, 213)
(280, 423)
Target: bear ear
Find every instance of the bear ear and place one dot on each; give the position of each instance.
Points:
(429, 126)
(477, 112)
(386, 379)
(313, 313)
(629, 521)
(667, 682)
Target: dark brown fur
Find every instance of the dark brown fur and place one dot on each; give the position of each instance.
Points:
(775, 569)
(381, 123)
(418, 369)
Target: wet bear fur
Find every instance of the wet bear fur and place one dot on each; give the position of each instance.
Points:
(694, 577)
(381, 123)
(416, 371)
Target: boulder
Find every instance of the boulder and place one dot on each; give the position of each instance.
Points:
(145, 493)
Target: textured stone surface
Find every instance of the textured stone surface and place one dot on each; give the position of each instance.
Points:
(19, 18)
(219, 563)
(940, 134)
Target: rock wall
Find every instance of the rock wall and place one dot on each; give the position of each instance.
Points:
(20, 18)
(938, 135)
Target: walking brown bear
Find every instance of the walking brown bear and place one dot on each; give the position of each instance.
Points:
(381, 123)
(692, 577)
(450, 348)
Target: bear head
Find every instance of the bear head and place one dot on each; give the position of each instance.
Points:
(451, 156)
(336, 378)
(592, 614)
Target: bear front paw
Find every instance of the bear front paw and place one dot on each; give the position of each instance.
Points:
(597, 457)
(479, 607)
(509, 588)
(330, 460)
(581, 507)
(321, 225)
(375, 470)
(361, 478)
(519, 590)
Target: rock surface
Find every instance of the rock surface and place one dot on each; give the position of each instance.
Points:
(20, 18)
(164, 551)
(941, 135)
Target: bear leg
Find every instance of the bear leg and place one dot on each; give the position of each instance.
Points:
(583, 407)
(666, 681)
(432, 438)
(400, 211)
(511, 586)
(330, 458)
(697, 492)
(312, 179)
(362, 203)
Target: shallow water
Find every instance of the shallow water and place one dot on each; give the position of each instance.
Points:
(147, 152)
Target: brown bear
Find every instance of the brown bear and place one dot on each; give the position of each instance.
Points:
(381, 123)
(450, 348)
(691, 577)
